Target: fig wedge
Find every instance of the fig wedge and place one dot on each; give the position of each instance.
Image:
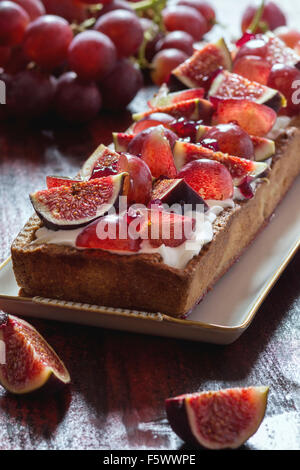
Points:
(29, 360)
(223, 419)
(70, 207)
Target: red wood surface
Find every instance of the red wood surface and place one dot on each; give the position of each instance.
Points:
(120, 380)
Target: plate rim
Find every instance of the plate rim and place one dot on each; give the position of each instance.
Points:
(120, 312)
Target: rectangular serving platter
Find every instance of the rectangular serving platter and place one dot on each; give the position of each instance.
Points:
(223, 315)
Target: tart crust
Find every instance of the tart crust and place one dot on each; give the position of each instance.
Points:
(143, 281)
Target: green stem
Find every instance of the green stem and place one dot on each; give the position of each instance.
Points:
(257, 17)
(146, 4)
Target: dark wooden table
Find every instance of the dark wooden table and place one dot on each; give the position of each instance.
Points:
(120, 380)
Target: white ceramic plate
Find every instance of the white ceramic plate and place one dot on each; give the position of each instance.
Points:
(220, 318)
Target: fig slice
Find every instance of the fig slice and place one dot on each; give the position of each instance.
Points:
(193, 110)
(198, 70)
(56, 181)
(263, 148)
(223, 419)
(231, 86)
(177, 191)
(103, 162)
(121, 141)
(29, 360)
(176, 97)
(185, 152)
(70, 207)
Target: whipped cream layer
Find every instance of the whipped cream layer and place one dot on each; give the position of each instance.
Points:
(177, 257)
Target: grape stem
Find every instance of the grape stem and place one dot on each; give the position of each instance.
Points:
(256, 22)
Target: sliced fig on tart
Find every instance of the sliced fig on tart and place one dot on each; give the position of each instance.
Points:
(103, 162)
(223, 419)
(168, 99)
(231, 86)
(177, 191)
(193, 110)
(69, 207)
(121, 141)
(184, 152)
(29, 360)
(199, 70)
(55, 181)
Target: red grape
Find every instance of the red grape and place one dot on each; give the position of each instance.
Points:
(257, 47)
(47, 40)
(288, 35)
(204, 8)
(34, 8)
(13, 23)
(71, 10)
(121, 85)
(272, 17)
(29, 93)
(231, 139)
(124, 29)
(184, 18)
(136, 145)
(76, 101)
(5, 53)
(115, 5)
(286, 79)
(164, 62)
(17, 61)
(254, 68)
(140, 181)
(177, 40)
(92, 55)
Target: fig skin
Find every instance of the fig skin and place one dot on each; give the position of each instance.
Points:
(184, 421)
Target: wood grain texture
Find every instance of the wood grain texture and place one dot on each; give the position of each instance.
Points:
(120, 380)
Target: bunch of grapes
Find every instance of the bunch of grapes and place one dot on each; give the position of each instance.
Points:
(75, 57)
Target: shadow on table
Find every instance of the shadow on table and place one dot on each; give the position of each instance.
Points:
(37, 414)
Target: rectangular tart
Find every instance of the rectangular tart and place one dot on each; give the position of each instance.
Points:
(143, 281)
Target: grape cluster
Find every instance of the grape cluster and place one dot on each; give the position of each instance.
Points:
(75, 57)
(49, 63)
